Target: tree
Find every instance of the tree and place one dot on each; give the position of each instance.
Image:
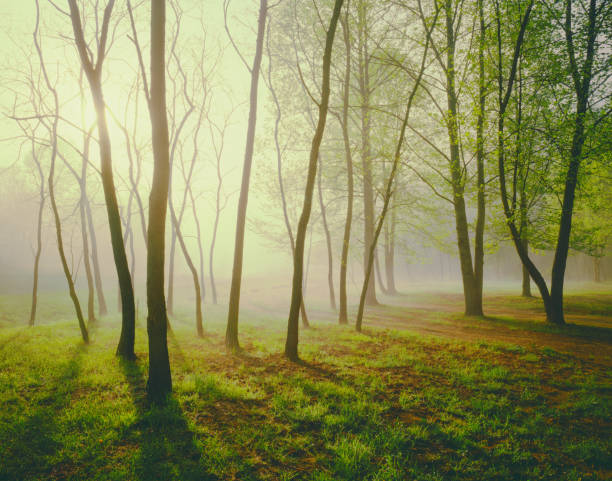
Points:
(53, 138)
(41, 206)
(159, 384)
(93, 72)
(394, 168)
(231, 334)
(346, 238)
(298, 260)
(580, 65)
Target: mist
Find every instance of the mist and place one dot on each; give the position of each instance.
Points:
(305, 240)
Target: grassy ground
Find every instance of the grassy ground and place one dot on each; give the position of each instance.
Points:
(423, 394)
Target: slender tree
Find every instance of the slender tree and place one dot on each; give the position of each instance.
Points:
(346, 239)
(53, 142)
(41, 205)
(93, 72)
(159, 384)
(291, 346)
(231, 334)
(394, 168)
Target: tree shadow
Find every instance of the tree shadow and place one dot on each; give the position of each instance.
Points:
(30, 443)
(167, 448)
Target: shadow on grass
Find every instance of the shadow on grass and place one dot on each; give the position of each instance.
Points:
(28, 445)
(168, 448)
(592, 333)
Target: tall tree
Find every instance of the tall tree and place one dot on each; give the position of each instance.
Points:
(159, 384)
(41, 205)
(346, 238)
(231, 334)
(53, 134)
(394, 168)
(291, 346)
(93, 72)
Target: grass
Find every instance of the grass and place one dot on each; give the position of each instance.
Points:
(386, 404)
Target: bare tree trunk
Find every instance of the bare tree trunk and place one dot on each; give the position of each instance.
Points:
(480, 167)
(377, 273)
(41, 207)
(58, 227)
(279, 169)
(192, 269)
(170, 299)
(231, 334)
(366, 161)
(389, 188)
(159, 384)
(472, 305)
(330, 260)
(597, 269)
(102, 309)
(125, 347)
(91, 317)
(291, 344)
(526, 284)
(390, 252)
(346, 239)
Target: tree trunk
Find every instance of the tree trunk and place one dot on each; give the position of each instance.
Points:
(279, 169)
(473, 305)
(597, 269)
(330, 260)
(53, 141)
(346, 239)
(366, 161)
(582, 83)
(159, 384)
(192, 269)
(480, 167)
(170, 299)
(378, 274)
(526, 284)
(91, 317)
(389, 188)
(291, 345)
(390, 253)
(102, 309)
(125, 347)
(231, 334)
(41, 207)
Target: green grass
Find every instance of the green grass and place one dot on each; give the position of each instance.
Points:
(382, 405)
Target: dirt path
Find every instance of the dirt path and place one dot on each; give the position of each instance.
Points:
(590, 342)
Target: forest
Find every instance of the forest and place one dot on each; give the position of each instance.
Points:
(306, 240)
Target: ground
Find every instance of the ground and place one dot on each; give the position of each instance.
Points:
(423, 393)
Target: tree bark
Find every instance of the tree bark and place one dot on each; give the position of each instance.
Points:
(159, 384)
(279, 167)
(41, 207)
(390, 252)
(125, 347)
(330, 260)
(291, 345)
(366, 161)
(53, 141)
(346, 239)
(473, 305)
(231, 334)
(389, 187)
(480, 167)
(102, 309)
(582, 83)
